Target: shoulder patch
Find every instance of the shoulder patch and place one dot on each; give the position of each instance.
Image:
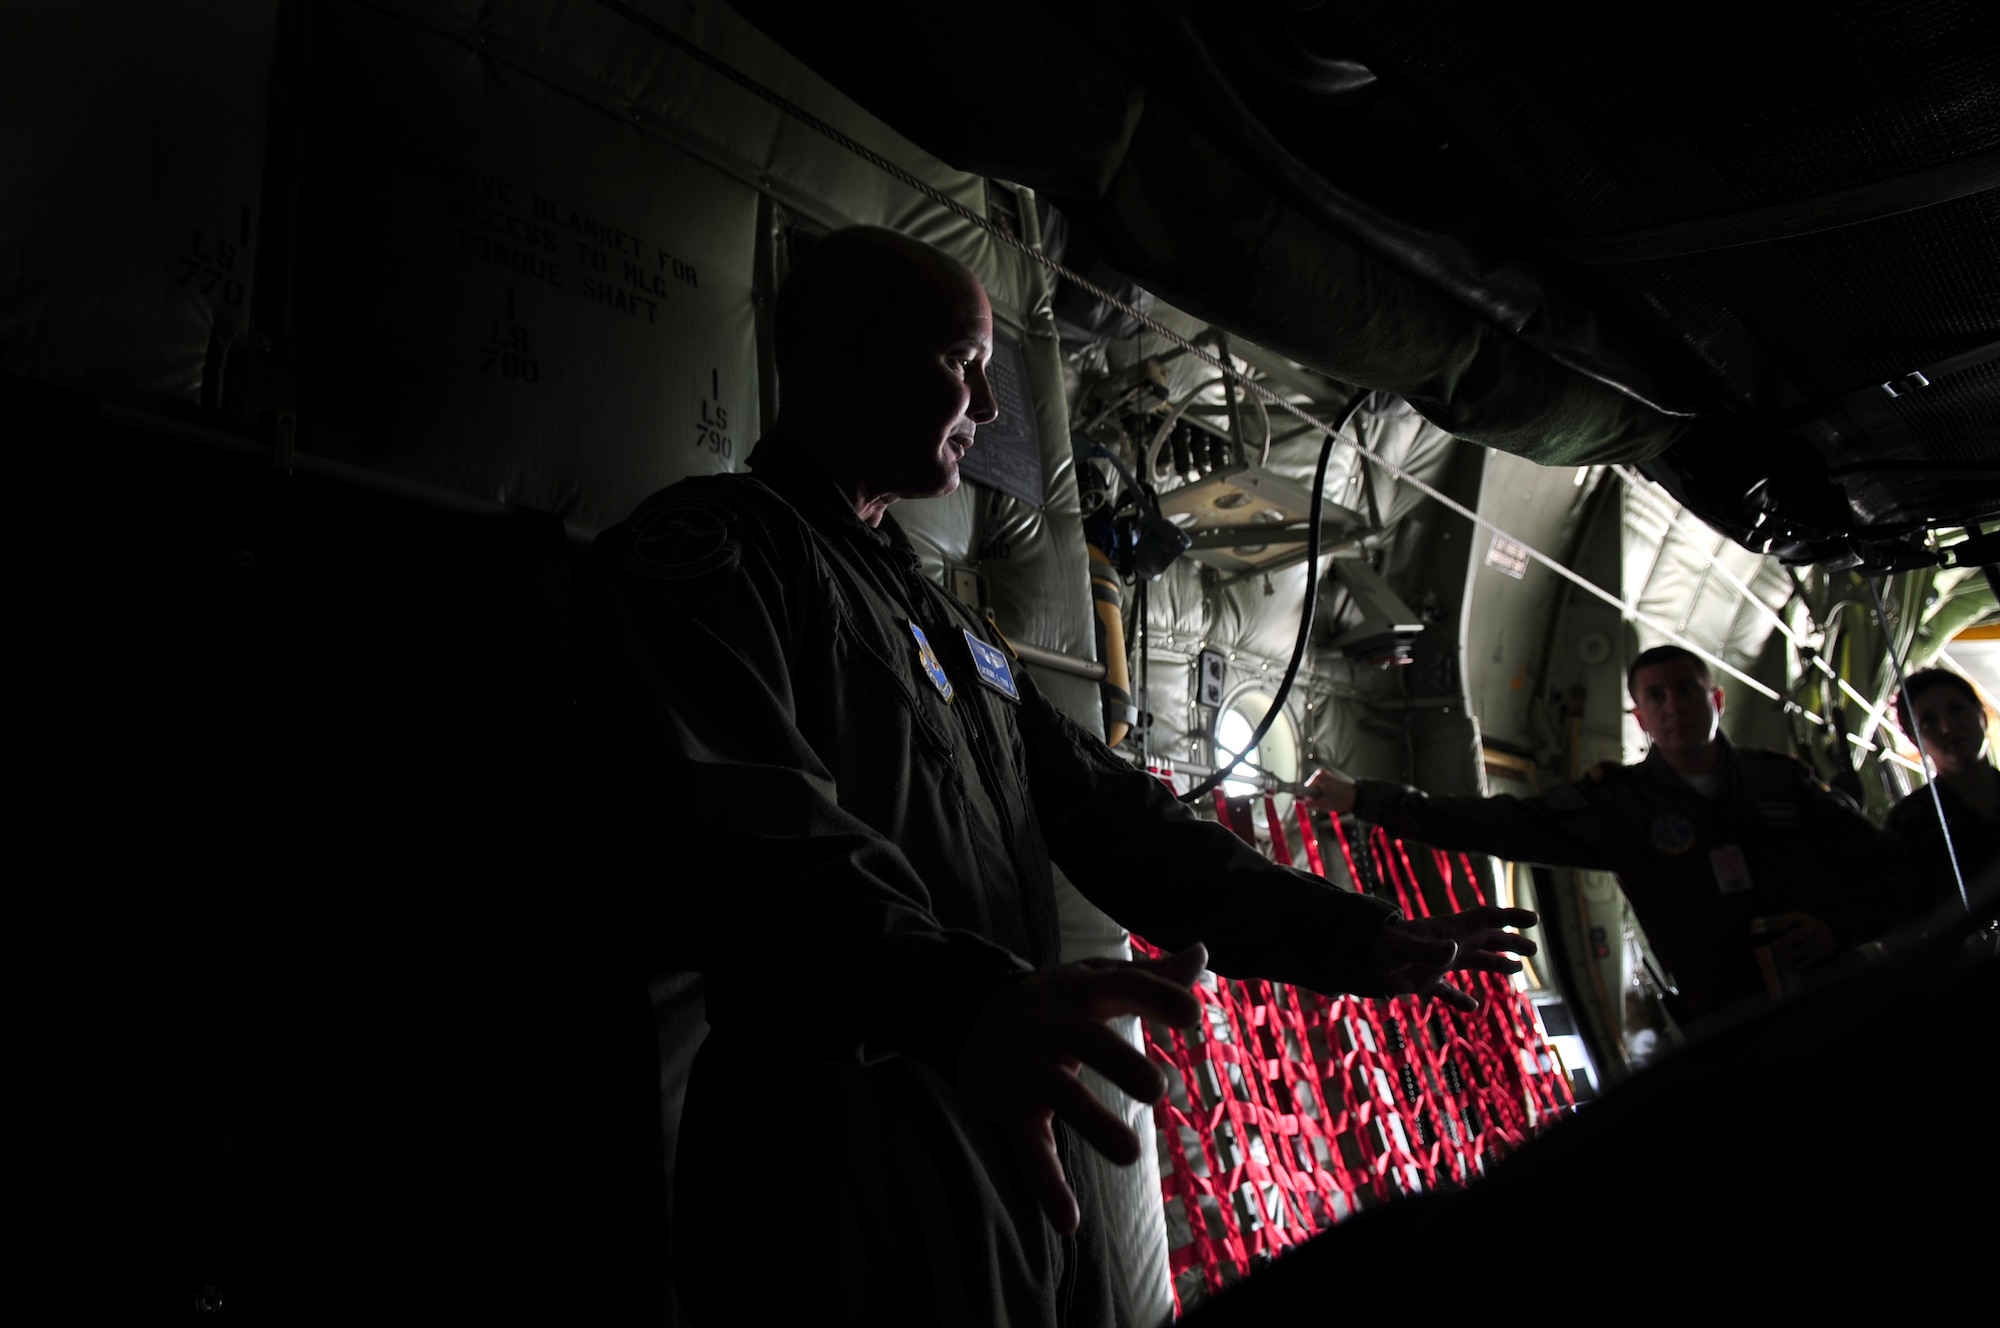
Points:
(685, 538)
(1673, 833)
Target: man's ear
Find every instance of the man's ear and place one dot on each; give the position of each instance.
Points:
(1716, 693)
(1640, 719)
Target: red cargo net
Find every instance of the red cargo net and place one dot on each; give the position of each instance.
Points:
(1292, 1110)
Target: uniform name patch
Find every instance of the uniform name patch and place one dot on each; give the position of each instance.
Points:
(1673, 833)
(928, 658)
(1783, 814)
(992, 666)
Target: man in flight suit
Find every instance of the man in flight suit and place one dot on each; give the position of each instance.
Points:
(1704, 837)
(837, 795)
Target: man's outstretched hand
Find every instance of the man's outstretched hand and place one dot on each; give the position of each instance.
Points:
(1803, 941)
(1414, 955)
(1021, 1054)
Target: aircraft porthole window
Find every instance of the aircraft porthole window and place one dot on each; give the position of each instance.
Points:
(1276, 756)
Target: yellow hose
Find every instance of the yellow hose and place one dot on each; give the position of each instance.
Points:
(1116, 689)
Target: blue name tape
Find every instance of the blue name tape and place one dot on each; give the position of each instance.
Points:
(992, 666)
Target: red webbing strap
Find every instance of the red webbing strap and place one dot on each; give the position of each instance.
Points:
(1235, 813)
(1410, 874)
(1442, 861)
(1308, 838)
(1281, 848)
(1189, 1123)
(1438, 1096)
(1506, 1016)
(1347, 854)
(1372, 1052)
(1290, 1110)
(1549, 1084)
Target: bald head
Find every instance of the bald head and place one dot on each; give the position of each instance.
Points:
(850, 287)
(882, 351)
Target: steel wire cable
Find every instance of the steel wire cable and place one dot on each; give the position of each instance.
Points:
(1931, 771)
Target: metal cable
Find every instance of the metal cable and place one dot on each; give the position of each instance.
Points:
(1930, 771)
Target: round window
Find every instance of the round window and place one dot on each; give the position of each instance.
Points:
(1276, 756)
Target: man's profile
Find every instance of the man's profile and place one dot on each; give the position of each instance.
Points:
(837, 795)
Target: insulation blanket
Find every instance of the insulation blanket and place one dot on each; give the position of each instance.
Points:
(1170, 202)
(127, 241)
(543, 309)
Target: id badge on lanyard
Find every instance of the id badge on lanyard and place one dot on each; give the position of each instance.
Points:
(1732, 873)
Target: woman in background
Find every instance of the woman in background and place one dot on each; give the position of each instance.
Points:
(1940, 710)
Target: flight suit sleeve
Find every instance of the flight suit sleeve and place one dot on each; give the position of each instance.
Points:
(1861, 888)
(1560, 828)
(1928, 880)
(735, 856)
(1147, 860)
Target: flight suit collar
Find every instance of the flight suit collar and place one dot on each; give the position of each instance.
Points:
(1655, 767)
(820, 501)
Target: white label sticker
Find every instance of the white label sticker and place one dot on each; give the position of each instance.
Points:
(1508, 556)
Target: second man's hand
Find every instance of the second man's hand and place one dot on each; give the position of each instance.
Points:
(1329, 793)
(1803, 941)
(1415, 955)
(1019, 1061)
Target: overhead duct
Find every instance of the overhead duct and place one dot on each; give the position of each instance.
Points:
(1254, 166)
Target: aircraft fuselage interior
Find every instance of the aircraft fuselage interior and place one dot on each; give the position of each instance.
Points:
(1372, 385)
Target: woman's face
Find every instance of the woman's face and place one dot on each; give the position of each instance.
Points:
(1952, 728)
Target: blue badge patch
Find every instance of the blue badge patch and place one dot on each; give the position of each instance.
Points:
(1673, 833)
(928, 658)
(992, 666)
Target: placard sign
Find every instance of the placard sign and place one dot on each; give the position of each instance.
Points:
(1007, 454)
(1508, 556)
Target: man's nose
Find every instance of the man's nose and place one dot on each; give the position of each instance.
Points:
(984, 407)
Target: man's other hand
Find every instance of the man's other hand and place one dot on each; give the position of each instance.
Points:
(1020, 1059)
(1414, 955)
(1802, 941)
(1329, 793)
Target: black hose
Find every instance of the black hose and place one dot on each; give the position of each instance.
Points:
(1214, 781)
